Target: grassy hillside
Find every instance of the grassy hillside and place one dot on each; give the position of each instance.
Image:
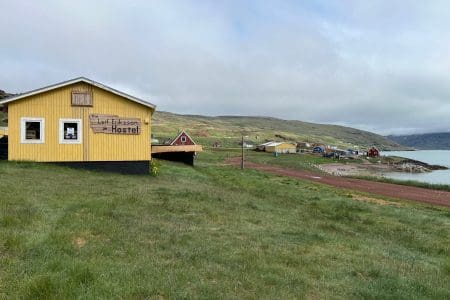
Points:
(3, 95)
(428, 141)
(228, 131)
(211, 231)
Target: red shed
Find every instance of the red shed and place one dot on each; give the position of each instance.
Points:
(373, 152)
(182, 139)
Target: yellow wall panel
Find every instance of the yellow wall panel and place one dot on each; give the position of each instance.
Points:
(291, 148)
(56, 104)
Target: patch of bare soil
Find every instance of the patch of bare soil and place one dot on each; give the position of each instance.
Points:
(341, 169)
(377, 169)
(428, 196)
(374, 200)
(201, 133)
(79, 242)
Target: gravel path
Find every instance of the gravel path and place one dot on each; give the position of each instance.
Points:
(429, 196)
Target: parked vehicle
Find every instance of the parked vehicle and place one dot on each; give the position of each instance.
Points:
(318, 149)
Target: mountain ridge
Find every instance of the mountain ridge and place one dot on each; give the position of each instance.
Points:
(229, 130)
(425, 141)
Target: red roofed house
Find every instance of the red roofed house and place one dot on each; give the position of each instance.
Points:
(373, 152)
(182, 148)
(182, 139)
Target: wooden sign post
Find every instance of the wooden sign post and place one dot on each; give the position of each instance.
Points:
(113, 124)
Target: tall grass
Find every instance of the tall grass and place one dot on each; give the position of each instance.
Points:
(432, 186)
(211, 231)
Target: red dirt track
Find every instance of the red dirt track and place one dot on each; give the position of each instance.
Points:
(428, 196)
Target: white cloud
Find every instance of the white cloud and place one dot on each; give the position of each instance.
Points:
(378, 65)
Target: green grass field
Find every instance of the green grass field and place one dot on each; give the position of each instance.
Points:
(425, 185)
(208, 232)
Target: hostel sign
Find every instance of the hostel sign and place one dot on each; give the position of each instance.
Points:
(113, 124)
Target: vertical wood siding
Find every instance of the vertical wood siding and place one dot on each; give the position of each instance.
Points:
(55, 105)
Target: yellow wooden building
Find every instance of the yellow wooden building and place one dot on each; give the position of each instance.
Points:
(80, 122)
(280, 147)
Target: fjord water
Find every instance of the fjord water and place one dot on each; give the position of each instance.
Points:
(433, 157)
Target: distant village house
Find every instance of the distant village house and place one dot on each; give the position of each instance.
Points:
(373, 152)
(182, 139)
(278, 147)
(182, 148)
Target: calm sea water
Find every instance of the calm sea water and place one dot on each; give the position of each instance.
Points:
(434, 157)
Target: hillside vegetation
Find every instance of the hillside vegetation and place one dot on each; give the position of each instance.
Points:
(427, 141)
(228, 131)
(3, 95)
(211, 232)
(2, 119)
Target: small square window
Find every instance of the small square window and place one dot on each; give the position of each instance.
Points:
(32, 130)
(70, 131)
(183, 139)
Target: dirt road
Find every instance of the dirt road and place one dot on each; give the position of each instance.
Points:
(386, 189)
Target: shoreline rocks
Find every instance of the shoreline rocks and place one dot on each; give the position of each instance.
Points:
(378, 169)
(415, 166)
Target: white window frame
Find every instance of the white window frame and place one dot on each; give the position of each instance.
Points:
(79, 134)
(23, 130)
(183, 137)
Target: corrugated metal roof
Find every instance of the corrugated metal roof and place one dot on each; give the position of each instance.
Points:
(274, 144)
(267, 143)
(76, 80)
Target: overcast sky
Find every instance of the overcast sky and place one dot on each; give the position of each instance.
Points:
(382, 66)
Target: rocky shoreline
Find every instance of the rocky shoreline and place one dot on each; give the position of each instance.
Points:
(378, 169)
(419, 165)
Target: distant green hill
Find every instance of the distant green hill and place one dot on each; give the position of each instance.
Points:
(228, 130)
(428, 141)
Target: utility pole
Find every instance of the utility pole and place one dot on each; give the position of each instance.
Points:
(242, 155)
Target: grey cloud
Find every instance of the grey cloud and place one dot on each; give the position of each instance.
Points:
(380, 66)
